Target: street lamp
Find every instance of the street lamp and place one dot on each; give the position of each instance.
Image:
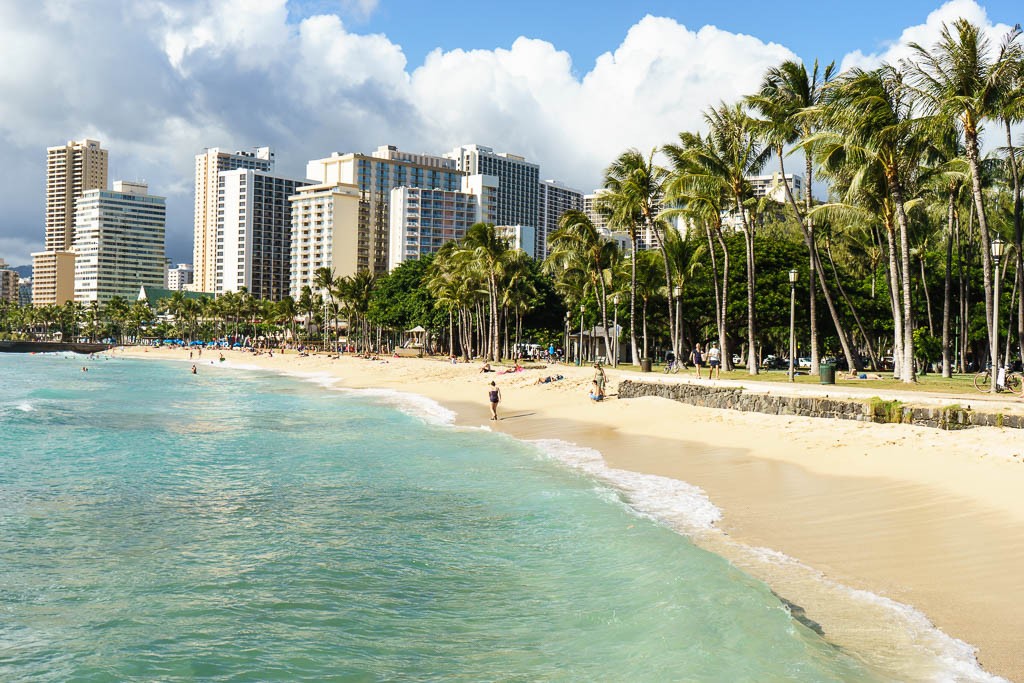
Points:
(997, 247)
(565, 352)
(579, 356)
(793, 275)
(615, 326)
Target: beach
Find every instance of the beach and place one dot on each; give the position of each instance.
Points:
(814, 507)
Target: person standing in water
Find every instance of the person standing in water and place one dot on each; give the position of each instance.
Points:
(494, 396)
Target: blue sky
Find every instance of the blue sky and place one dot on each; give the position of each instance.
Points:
(824, 30)
(569, 85)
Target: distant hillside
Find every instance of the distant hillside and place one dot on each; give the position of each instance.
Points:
(23, 271)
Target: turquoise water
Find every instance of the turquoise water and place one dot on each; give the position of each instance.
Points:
(235, 526)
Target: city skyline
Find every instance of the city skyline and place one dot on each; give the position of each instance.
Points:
(311, 78)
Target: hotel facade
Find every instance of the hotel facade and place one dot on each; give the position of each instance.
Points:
(119, 242)
(254, 233)
(71, 170)
(209, 165)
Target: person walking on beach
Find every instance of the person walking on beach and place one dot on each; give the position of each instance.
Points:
(714, 362)
(600, 379)
(494, 396)
(697, 358)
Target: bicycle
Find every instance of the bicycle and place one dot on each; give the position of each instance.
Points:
(1012, 382)
(673, 367)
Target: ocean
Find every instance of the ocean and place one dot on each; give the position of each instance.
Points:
(241, 526)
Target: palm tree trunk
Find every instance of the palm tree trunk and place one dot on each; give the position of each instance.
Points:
(1018, 234)
(971, 140)
(908, 332)
(645, 327)
(723, 336)
(947, 285)
(632, 301)
(894, 288)
(927, 295)
(853, 310)
(604, 317)
(674, 333)
(748, 239)
(719, 323)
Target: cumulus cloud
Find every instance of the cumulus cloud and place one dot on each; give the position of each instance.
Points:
(927, 34)
(159, 80)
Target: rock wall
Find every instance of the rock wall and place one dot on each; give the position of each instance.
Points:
(875, 410)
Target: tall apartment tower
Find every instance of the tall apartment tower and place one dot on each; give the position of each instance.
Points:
(71, 170)
(209, 165)
(119, 242)
(376, 175)
(254, 233)
(422, 220)
(518, 198)
(555, 199)
(8, 283)
(325, 232)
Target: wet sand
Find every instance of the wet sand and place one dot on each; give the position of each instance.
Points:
(927, 518)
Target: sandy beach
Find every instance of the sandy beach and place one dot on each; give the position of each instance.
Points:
(814, 507)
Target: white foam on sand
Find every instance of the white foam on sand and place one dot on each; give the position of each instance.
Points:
(925, 653)
(681, 505)
(426, 409)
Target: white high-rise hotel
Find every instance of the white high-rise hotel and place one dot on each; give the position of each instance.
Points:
(209, 165)
(254, 226)
(119, 242)
(555, 199)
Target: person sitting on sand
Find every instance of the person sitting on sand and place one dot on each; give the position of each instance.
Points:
(596, 394)
(486, 368)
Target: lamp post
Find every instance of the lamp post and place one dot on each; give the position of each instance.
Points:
(997, 247)
(615, 327)
(793, 275)
(565, 351)
(579, 355)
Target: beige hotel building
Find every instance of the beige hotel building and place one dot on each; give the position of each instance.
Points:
(71, 170)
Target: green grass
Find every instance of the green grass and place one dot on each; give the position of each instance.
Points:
(962, 384)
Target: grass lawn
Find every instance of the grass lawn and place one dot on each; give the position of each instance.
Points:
(934, 383)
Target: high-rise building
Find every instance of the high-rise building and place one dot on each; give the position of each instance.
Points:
(209, 165)
(590, 207)
(771, 186)
(518, 198)
(179, 277)
(555, 199)
(254, 233)
(119, 242)
(326, 221)
(8, 283)
(423, 220)
(521, 237)
(375, 176)
(71, 170)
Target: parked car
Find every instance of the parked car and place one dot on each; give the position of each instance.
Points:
(736, 360)
(775, 363)
(803, 363)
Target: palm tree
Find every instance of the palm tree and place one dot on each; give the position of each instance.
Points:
(577, 243)
(731, 151)
(633, 200)
(961, 81)
(786, 101)
(488, 250)
(323, 278)
(872, 125)
(701, 199)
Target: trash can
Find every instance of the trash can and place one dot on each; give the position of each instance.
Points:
(828, 373)
(645, 365)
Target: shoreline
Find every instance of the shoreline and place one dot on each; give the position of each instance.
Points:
(810, 506)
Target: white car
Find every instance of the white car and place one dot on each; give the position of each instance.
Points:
(803, 363)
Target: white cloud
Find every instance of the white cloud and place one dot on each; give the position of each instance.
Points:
(927, 34)
(159, 80)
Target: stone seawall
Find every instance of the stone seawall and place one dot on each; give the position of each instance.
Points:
(873, 410)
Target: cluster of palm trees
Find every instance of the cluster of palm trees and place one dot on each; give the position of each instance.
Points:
(118, 319)
(484, 286)
(900, 146)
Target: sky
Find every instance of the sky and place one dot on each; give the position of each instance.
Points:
(569, 85)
